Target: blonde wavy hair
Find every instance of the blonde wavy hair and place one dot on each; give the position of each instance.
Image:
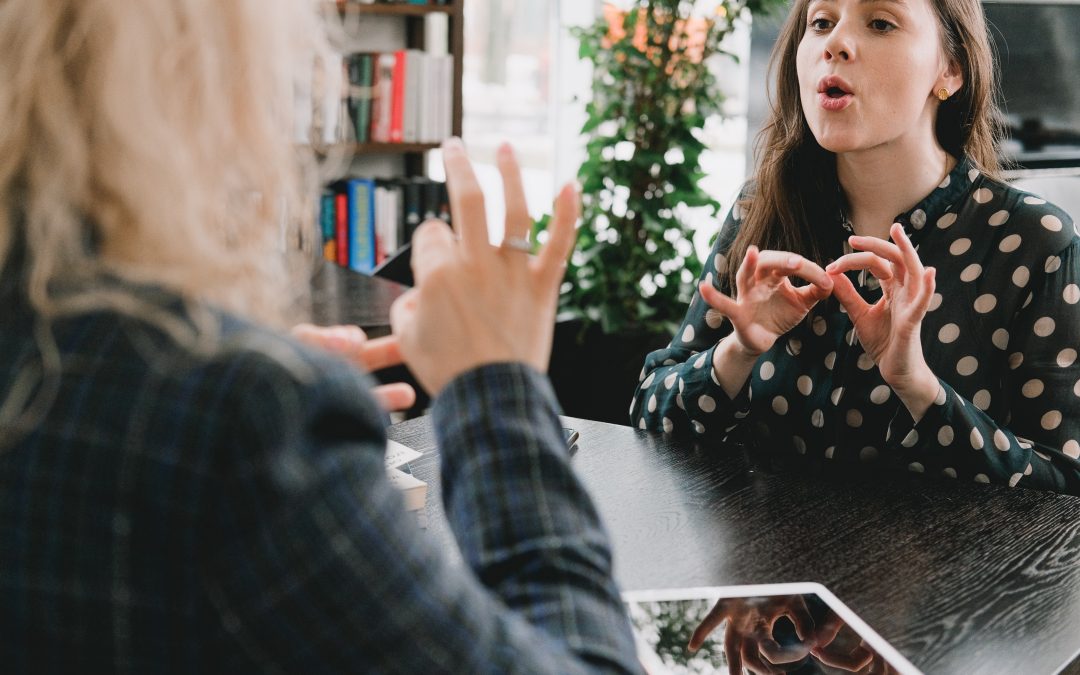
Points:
(151, 140)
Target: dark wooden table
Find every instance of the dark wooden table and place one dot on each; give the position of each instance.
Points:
(342, 296)
(961, 578)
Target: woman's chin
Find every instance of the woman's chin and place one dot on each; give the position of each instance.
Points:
(838, 143)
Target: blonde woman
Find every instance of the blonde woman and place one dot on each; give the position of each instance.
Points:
(183, 488)
(934, 316)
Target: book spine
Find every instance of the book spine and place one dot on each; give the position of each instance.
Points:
(341, 229)
(361, 225)
(367, 78)
(382, 105)
(397, 118)
(327, 226)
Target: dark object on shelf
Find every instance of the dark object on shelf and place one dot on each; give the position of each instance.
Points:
(398, 267)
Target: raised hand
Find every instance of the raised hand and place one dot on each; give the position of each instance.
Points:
(767, 304)
(473, 303)
(889, 329)
(353, 344)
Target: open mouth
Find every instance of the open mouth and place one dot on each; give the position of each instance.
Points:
(836, 92)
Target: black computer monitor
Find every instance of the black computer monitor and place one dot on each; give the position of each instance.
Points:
(1038, 51)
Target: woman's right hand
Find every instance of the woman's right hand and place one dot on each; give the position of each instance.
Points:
(473, 303)
(767, 304)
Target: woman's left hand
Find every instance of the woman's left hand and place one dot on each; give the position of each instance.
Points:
(889, 329)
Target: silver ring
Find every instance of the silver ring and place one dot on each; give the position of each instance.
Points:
(520, 244)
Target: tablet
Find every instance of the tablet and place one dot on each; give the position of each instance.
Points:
(772, 628)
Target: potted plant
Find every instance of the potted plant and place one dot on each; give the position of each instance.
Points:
(634, 271)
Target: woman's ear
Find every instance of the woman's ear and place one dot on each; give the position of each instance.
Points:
(952, 79)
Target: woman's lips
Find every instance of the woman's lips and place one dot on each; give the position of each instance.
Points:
(834, 104)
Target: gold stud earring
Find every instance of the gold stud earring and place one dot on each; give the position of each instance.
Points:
(943, 94)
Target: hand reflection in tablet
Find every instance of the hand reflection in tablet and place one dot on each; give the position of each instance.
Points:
(748, 637)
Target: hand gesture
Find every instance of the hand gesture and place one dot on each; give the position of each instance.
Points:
(889, 329)
(767, 305)
(748, 638)
(473, 303)
(353, 344)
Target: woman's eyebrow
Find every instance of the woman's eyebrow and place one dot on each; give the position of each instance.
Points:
(901, 3)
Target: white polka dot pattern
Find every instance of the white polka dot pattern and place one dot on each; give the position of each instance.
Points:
(1001, 333)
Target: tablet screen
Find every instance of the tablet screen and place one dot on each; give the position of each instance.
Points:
(776, 628)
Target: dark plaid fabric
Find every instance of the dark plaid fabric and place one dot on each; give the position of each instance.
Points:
(177, 512)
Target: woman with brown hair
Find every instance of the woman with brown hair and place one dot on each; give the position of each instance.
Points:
(935, 325)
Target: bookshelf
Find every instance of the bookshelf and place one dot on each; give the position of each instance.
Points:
(413, 15)
(401, 97)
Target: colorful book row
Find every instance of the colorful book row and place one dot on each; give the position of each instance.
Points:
(364, 220)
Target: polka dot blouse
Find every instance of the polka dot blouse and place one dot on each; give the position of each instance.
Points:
(1002, 335)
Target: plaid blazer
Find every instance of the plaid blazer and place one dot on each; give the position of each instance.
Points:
(173, 510)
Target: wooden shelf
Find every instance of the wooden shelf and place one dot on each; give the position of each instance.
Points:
(377, 148)
(388, 9)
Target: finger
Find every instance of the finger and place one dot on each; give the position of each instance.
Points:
(432, 247)
(777, 653)
(754, 663)
(800, 616)
(466, 199)
(811, 294)
(912, 263)
(379, 353)
(733, 652)
(885, 249)
(826, 629)
(394, 396)
(517, 223)
(857, 659)
(717, 300)
(787, 264)
(562, 233)
(342, 340)
(747, 270)
(926, 293)
(847, 295)
(713, 619)
(402, 313)
(877, 265)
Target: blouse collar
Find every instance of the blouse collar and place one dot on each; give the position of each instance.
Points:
(941, 199)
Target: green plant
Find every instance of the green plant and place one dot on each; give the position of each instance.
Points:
(635, 268)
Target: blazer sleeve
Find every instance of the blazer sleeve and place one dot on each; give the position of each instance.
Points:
(314, 565)
(1038, 445)
(677, 390)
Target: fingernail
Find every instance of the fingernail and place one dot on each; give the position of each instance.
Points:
(793, 261)
(453, 143)
(505, 150)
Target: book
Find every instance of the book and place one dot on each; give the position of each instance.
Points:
(413, 489)
(397, 112)
(362, 245)
(361, 93)
(382, 105)
(341, 228)
(328, 225)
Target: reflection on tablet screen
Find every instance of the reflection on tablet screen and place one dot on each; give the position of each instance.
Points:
(778, 628)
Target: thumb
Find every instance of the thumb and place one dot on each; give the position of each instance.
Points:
(848, 296)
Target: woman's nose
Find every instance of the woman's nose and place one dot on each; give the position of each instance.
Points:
(839, 45)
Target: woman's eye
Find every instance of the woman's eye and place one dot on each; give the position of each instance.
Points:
(820, 24)
(882, 25)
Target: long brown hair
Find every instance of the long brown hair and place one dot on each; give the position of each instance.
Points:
(795, 188)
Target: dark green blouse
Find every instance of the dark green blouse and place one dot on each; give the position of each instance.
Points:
(1002, 335)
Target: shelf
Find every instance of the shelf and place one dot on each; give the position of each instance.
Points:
(378, 148)
(388, 9)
